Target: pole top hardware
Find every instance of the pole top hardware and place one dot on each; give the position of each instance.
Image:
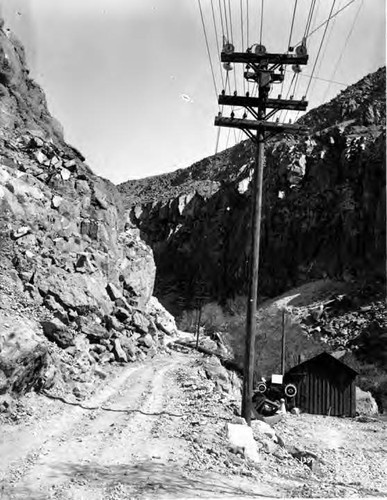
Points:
(228, 48)
(259, 49)
(301, 50)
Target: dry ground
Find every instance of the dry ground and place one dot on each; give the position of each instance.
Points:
(156, 430)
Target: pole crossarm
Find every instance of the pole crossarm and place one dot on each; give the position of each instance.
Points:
(249, 57)
(244, 124)
(254, 102)
(261, 67)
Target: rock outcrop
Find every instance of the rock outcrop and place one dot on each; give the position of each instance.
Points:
(323, 215)
(64, 239)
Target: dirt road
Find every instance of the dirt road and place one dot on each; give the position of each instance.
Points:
(125, 442)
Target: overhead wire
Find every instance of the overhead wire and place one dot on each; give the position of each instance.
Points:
(242, 42)
(325, 80)
(310, 17)
(247, 23)
(217, 41)
(318, 67)
(342, 51)
(221, 19)
(261, 28)
(296, 76)
(327, 20)
(289, 41)
(232, 38)
(208, 49)
(320, 46)
(226, 20)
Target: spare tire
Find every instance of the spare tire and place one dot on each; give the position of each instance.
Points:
(290, 390)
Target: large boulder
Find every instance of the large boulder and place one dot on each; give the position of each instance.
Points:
(365, 403)
(241, 440)
(24, 357)
(58, 332)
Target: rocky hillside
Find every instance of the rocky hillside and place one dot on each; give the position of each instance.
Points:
(323, 216)
(76, 280)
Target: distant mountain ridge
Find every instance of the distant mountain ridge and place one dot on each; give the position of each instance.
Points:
(323, 206)
(360, 105)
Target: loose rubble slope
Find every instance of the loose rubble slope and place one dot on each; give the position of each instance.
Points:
(73, 269)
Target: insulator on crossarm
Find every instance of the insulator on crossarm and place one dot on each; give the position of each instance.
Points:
(244, 115)
(291, 97)
(232, 114)
(247, 94)
(279, 96)
(235, 93)
(219, 114)
(223, 92)
(301, 50)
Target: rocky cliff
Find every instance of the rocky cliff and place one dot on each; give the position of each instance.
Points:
(74, 273)
(323, 214)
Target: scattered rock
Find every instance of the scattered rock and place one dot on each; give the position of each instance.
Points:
(146, 340)
(241, 441)
(95, 332)
(58, 332)
(113, 292)
(56, 201)
(365, 403)
(119, 352)
(140, 322)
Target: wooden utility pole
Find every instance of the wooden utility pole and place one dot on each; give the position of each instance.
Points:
(283, 342)
(263, 69)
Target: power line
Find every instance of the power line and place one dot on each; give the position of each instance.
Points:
(327, 20)
(331, 28)
(208, 48)
(217, 41)
(289, 42)
(321, 44)
(221, 18)
(226, 21)
(324, 80)
(248, 23)
(242, 42)
(292, 25)
(242, 37)
(232, 38)
(343, 50)
(261, 29)
(309, 19)
(230, 16)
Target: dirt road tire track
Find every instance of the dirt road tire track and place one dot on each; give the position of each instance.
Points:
(128, 448)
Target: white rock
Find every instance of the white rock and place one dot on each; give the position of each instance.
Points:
(241, 439)
(65, 174)
(365, 403)
(260, 427)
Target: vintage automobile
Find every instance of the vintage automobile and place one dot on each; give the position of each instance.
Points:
(268, 396)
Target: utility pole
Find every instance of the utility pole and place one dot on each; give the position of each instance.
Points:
(283, 342)
(264, 69)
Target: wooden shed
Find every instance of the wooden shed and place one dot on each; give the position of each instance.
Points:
(325, 386)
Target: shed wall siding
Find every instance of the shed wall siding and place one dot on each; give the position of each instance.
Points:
(319, 394)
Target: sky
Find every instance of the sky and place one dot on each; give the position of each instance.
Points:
(131, 83)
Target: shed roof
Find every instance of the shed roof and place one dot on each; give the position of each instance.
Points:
(324, 357)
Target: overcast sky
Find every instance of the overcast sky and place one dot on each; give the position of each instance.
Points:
(130, 79)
